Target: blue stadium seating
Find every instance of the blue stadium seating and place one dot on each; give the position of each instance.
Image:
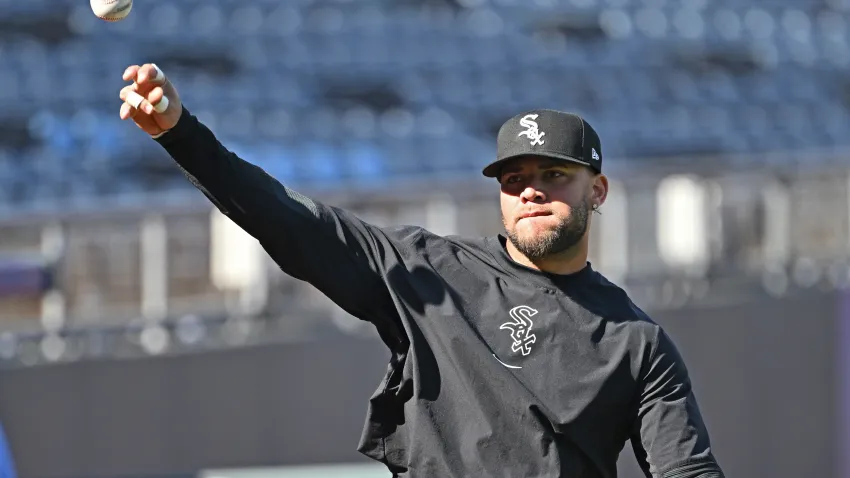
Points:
(332, 91)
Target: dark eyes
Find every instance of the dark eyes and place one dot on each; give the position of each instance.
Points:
(550, 174)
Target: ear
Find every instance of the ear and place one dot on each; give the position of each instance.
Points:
(600, 189)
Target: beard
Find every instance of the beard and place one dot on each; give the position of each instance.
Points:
(568, 233)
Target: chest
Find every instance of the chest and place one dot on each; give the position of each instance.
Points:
(531, 343)
(549, 341)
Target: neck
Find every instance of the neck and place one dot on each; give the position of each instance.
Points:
(563, 263)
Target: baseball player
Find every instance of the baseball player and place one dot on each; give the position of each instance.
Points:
(511, 355)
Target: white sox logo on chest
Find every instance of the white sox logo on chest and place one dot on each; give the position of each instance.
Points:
(532, 130)
(521, 329)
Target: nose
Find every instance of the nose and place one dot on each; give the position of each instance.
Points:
(532, 194)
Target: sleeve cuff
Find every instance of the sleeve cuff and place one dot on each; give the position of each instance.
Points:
(178, 132)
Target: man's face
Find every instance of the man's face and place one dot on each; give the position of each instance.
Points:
(545, 204)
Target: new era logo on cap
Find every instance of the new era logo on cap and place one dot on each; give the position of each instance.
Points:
(549, 133)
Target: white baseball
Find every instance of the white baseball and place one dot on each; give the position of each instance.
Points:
(111, 10)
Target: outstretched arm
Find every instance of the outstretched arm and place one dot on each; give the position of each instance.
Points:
(342, 256)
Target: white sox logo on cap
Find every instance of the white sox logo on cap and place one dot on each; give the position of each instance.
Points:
(532, 132)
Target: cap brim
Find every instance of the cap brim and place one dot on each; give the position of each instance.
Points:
(493, 169)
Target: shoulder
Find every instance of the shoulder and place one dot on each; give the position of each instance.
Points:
(614, 304)
(452, 256)
(424, 239)
(404, 234)
(632, 326)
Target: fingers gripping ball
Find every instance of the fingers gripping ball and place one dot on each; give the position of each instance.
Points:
(111, 10)
(135, 99)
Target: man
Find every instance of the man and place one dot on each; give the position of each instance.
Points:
(511, 356)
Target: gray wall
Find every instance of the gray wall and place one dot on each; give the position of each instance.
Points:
(765, 377)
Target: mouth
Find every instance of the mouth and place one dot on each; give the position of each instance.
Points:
(533, 214)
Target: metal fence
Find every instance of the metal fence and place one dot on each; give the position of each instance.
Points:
(687, 232)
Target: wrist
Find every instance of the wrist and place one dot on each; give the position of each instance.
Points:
(178, 131)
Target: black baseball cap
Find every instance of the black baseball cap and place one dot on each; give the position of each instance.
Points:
(548, 133)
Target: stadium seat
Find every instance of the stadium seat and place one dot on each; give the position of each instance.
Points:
(736, 75)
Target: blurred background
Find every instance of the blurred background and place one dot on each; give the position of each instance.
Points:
(142, 335)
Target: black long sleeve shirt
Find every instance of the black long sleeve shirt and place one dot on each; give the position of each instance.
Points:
(497, 370)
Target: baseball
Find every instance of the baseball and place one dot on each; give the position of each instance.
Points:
(111, 10)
